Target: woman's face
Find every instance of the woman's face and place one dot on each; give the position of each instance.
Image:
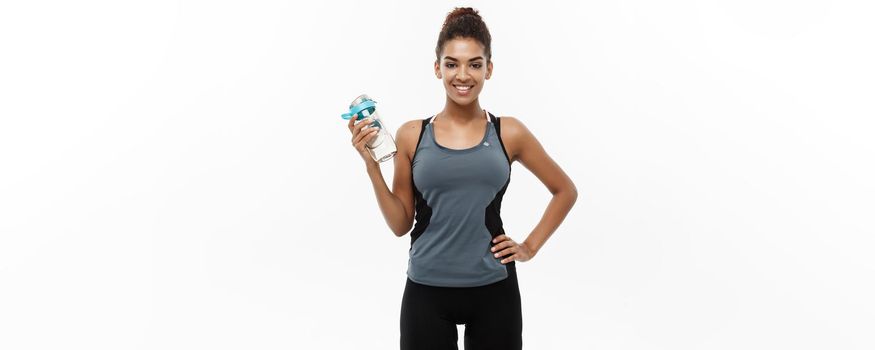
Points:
(463, 64)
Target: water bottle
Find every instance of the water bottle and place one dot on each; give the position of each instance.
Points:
(382, 147)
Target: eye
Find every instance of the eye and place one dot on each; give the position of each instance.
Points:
(451, 65)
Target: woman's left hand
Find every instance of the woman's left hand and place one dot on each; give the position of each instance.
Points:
(505, 246)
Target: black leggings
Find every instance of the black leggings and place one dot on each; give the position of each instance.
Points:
(492, 315)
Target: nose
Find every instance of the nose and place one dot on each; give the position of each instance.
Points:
(462, 75)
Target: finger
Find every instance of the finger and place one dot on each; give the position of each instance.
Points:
(501, 245)
(508, 259)
(364, 138)
(365, 135)
(359, 134)
(504, 252)
(359, 128)
(363, 124)
(352, 121)
(370, 135)
(360, 145)
(499, 238)
(355, 127)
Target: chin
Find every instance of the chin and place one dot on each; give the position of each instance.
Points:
(463, 101)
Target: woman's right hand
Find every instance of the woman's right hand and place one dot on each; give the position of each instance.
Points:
(361, 135)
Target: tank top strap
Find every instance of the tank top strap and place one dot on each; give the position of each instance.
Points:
(496, 123)
(422, 131)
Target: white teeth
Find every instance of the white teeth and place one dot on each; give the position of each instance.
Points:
(461, 87)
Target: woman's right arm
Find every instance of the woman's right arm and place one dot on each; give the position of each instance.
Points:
(396, 205)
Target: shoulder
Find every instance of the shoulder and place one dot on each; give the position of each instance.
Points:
(513, 129)
(515, 135)
(408, 135)
(511, 125)
(408, 130)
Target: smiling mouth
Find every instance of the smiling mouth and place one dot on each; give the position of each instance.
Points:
(463, 88)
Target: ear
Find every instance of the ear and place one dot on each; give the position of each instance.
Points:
(489, 69)
(437, 69)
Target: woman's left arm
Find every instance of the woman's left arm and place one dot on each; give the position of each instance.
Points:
(525, 148)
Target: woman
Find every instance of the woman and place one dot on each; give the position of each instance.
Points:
(452, 170)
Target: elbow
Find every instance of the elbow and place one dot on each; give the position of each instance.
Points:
(570, 191)
(400, 232)
(403, 225)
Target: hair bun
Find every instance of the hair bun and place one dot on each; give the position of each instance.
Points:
(459, 12)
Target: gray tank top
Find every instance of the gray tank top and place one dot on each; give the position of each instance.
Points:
(457, 194)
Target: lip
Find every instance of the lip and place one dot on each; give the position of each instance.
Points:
(463, 93)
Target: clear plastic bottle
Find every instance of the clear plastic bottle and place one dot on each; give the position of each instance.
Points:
(382, 147)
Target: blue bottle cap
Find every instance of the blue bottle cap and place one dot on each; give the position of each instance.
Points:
(369, 105)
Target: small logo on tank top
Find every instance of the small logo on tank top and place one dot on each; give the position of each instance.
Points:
(486, 143)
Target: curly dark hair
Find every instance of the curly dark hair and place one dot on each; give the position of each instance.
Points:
(464, 22)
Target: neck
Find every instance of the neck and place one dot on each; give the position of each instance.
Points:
(462, 114)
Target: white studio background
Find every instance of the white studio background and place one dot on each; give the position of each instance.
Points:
(176, 174)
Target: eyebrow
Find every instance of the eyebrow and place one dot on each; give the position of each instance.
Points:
(454, 59)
